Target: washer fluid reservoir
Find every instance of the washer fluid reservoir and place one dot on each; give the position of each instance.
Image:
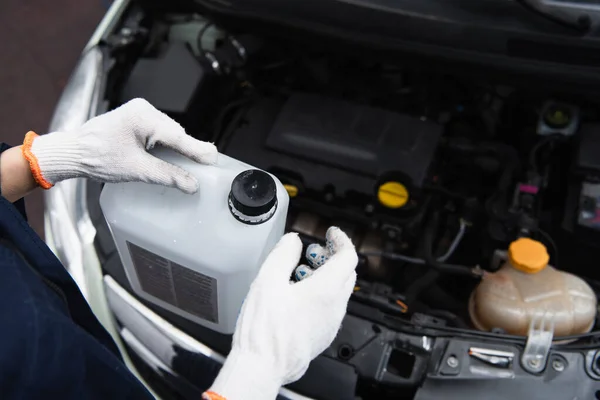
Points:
(526, 286)
(196, 255)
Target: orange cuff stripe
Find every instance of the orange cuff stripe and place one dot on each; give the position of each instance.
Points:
(33, 161)
(212, 396)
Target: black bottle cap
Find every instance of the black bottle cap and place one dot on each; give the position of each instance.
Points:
(253, 197)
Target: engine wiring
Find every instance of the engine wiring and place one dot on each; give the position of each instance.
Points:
(578, 342)
(416, 260)
(511, 164)
(533, 155)
(482, 163)
(552, 244)
(200, 36)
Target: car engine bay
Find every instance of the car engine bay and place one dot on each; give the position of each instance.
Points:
(432, 174)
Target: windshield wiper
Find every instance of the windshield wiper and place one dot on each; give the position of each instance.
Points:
(578, 15)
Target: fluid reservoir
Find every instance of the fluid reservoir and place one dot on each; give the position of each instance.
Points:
(196, 255)
(525, 286)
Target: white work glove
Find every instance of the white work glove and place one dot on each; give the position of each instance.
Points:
(113, 147)
(284, 325)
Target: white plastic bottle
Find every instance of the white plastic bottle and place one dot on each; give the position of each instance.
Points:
(196, 255)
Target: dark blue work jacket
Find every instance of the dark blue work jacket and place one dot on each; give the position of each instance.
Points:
(51, 345)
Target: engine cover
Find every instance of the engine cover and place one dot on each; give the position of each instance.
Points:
(332, 142)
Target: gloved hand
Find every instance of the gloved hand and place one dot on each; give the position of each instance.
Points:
(283, 325)
(113, 147)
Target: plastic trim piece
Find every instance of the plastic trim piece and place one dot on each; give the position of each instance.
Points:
(539, 342)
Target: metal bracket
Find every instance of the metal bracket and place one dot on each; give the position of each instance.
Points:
(496, 358)
(539, 341)
(241, 50)
(214, 63)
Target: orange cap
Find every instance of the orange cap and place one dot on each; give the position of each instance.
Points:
(528, 255)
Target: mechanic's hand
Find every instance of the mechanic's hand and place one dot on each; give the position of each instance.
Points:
(283, 325)
(114, 148)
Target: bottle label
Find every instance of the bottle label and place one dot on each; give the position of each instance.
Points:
(188, 290)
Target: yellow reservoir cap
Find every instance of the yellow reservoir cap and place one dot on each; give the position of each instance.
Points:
(392, 195)
(292, 190)
(528, 255)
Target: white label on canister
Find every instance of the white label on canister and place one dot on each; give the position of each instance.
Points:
(175, 284)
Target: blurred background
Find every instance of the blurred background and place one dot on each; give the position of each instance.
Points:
(40, 42)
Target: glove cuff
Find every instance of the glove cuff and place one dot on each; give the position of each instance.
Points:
(53, 157)
(245, 376)
(34, 165)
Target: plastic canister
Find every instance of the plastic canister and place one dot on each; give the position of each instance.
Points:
(526, 286)
(196, 255)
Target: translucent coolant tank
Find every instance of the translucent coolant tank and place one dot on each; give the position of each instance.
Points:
(526, 286)
(196, 255)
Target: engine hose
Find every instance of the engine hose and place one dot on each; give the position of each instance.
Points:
(425, 290)
(431, 261)
(449, 315)
(223, 114)
(428, 281)
(420, 284)
(511, 164)
(457, 321)
(507, 153)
